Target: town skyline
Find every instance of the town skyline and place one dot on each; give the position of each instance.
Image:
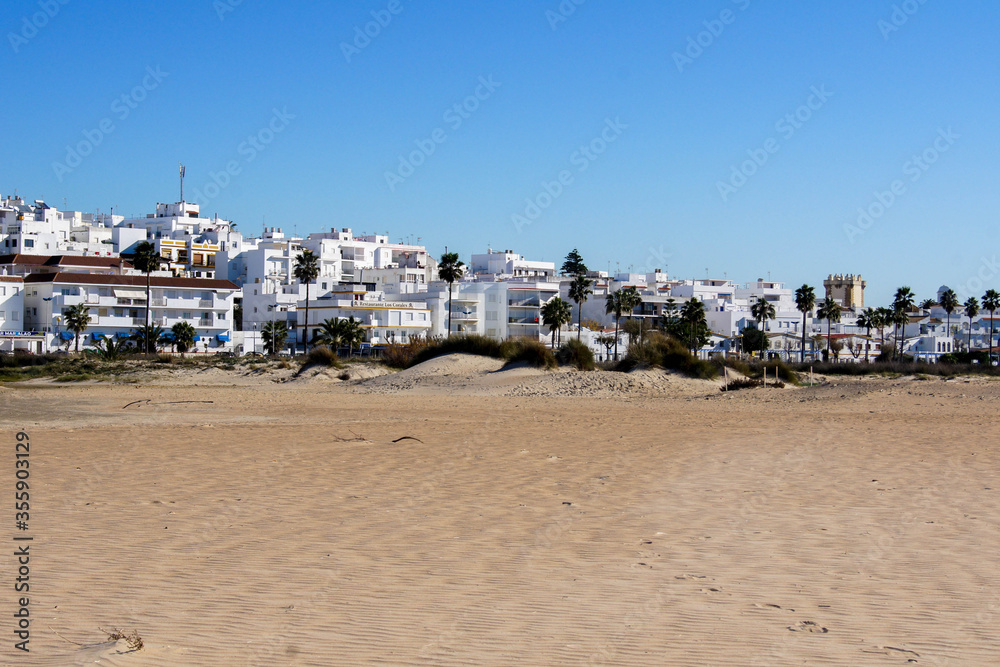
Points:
(733, 140)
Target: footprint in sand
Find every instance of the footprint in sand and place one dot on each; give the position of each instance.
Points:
(808, 626)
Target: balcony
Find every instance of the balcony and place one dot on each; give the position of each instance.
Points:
(205, 303)
(458, 315)
(205, 322)
(522, 320)
(524, 303)
(160, 303)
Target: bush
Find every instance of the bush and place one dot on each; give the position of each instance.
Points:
(322, 356)
(576, 353)
(669, 353)
(399, 355)
(465, 344)
(532, 352)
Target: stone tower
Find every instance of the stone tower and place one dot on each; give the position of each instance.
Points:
(847, 290)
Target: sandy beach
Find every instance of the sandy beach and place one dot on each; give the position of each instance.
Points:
(456, 515)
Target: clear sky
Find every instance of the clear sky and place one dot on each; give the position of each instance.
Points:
(623, 129)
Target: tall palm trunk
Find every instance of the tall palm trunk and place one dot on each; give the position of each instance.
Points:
(991, 338)
(449, 310)
(829, 324)
(579, 321)
(970, 336)
(802, 352)
(305, 329)
(617, 320)
(76, 337)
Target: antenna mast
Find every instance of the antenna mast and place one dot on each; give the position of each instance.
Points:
(182, 170)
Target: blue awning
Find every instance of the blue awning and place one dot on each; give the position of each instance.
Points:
(122, 334)
(197, 337)
(224, 337)
(67, 335)
(169, 335)
(98, 334)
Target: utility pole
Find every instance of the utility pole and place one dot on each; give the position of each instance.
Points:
(182, 170)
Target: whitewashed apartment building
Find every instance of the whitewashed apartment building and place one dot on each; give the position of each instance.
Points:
(118, 305)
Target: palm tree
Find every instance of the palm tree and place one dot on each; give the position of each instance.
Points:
(146, 260)
(949, 302)
(830, 311)
(805, 301)
(329, 333)
(762, 310)
(613, 305)
(631, 299)
(693, 315)
(579, 290)
(147, 337)
(971, 310)
(184, 335)
(77, 318)
(902, 303)
(884, 319)
(927, 304)
(556, 313)
(275, 333)
(869, 320)
(991, 303)
(306, 271)
(450, 269)
(352, 333)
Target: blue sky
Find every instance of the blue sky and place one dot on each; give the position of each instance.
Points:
(664, 120)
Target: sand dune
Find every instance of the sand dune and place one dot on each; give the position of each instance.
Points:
(454, 522)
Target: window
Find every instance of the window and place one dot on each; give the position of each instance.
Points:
(3, 315)
(65, 291)
(3, 290)
(222, 316)
(186, 316)
(29, 243)
(102, 312)
(15, 316)
(491, 315)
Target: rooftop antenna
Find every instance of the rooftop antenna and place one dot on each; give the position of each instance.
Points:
(182, 170)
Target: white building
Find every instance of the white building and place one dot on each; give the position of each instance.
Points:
(118, 305)
(382, 320)
(38, 228)
(508, 264)
(266, 270)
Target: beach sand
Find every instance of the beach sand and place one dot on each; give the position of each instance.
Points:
(471, 517)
